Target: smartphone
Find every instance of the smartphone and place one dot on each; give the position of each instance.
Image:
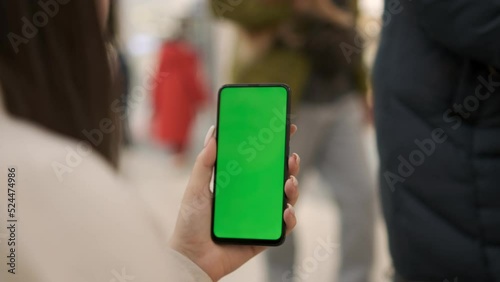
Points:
(252, 164)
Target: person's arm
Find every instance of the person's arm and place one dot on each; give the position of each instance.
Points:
(469, 28)
(186, 269)
(191, 236)
(80, 221)
(84, 224)
(328, 10)
(337, 15)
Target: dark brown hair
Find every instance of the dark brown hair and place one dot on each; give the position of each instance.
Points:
(55, 72)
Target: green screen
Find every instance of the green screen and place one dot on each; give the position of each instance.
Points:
(249, 177)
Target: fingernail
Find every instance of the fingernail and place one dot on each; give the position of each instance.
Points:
(297, 158)
(294, 180)
(209, 135)
(292, 210)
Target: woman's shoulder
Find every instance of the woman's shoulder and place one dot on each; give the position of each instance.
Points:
(37, 150)
(89, 223)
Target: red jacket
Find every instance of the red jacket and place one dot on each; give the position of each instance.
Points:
(178, 93)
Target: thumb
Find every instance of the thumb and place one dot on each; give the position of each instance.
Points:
(203, 168)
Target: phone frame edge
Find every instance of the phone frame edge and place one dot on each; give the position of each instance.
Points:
(255, 242)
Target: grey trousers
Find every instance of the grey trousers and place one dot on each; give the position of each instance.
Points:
(330, 138)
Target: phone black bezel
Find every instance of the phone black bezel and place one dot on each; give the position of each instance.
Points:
(256, 242)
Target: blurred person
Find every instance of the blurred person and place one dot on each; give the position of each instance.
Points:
(260, 56)
(180, 92)
(333, 109)
(437, 114)
(77, 219)
(298, 42)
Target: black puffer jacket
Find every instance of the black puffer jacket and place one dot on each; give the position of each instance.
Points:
(437, 103)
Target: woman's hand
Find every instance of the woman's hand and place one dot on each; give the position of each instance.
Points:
(192, 232)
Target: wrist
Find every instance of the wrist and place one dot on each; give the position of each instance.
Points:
(190, 267)
(197, 259)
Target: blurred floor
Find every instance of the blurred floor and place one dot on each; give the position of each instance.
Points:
(162, 185)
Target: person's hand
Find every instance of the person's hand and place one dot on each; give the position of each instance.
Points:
(192, 232)
(325, 9)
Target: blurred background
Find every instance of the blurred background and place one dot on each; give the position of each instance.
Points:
(158, 38)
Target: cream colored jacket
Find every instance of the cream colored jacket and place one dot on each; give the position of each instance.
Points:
(91, 227)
